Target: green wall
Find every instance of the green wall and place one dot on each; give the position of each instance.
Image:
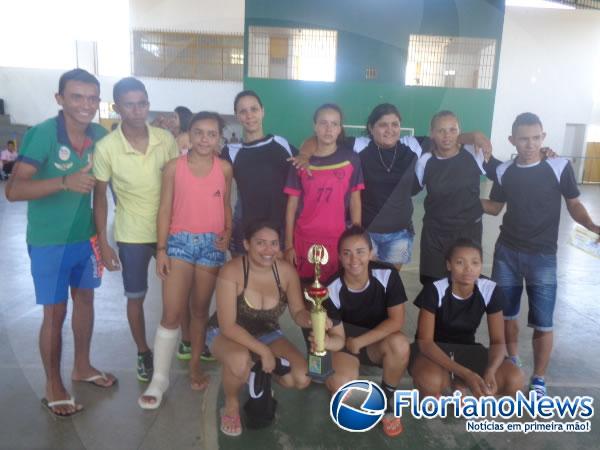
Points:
(374, 33)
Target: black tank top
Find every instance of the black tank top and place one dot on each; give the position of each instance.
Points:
(255, 321)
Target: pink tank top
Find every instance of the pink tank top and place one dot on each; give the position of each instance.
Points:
(198, 202)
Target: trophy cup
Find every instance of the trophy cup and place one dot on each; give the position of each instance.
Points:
(319, 361)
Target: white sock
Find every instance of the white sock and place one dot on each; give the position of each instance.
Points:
(164, 347)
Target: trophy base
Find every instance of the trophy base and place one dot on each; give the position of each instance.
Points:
(319, 367)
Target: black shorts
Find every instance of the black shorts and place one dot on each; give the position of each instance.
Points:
(472, 356)
(435, 242)
(363, 357)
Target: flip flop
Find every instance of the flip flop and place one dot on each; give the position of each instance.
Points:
(231, 422)
(392, 426)
(202, 385)
(67, 402)
(99, 376)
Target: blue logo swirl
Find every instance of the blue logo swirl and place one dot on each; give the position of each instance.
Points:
(358, 406)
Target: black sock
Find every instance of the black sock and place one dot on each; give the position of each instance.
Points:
(389, 394)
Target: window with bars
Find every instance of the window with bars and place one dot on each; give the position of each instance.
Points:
(453, 62)
(292, 53)
(192, 56)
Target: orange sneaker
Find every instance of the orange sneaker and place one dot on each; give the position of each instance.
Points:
(392, 426)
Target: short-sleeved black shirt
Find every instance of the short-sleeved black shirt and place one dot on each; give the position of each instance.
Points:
(387, 199)
(533, 200)
(260, 170)
(452, 184)
(361, 311)
(457, 320)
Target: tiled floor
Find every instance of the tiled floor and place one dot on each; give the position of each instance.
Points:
(187, 419)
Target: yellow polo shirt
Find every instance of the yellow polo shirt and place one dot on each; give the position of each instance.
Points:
(136, 179)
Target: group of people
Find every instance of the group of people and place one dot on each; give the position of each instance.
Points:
(353, 195)
(8, 157)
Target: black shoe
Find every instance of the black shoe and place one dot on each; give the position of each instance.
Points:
(145, 366)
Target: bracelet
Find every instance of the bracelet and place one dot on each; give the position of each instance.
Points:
(161, 249)
(63, 184)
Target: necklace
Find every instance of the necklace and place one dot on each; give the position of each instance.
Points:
(388, 169)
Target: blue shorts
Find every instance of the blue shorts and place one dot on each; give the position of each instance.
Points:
(393, 248)
(269, 338)
(55, 268)
(197, 249)
(135, 259)
(538, 270)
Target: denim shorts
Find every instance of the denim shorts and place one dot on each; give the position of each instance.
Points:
(269, 338)
(198, 249)
(538, 270)
(55, 268)
(135, 259)
(393, 248)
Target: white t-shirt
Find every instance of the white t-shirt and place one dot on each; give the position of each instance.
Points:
(7, 155)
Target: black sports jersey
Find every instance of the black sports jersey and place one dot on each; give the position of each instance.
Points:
(456, 319)
(533, 198)
(387, 199)
(260, 170)
(361, 311)
(452, 199)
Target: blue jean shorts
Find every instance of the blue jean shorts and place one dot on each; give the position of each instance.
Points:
(393, 248)
(55, 268)
(198, 249)
(269, 338)
(135, 259)
(538, 270)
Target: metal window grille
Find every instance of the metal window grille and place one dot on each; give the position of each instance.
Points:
(292, 53)
(370, 73)
(454, 62)
(192, 56)
(583, 4)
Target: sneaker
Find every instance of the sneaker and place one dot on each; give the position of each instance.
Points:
(516, 361)
(207, 355)
(538, 385)
(145, 366)
(184, 351)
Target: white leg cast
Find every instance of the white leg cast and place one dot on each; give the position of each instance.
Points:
(164, 348)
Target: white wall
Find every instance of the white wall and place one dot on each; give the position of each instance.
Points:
(29, 93)
(549, 65)
(29, 79)
(222, 16)
(42, 34)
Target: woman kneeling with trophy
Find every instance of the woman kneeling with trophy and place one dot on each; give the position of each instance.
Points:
(253, 291)
(366, 306)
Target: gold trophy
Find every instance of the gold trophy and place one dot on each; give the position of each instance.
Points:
(319, 361)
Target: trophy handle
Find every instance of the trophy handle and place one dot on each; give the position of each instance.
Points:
(310, 299)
